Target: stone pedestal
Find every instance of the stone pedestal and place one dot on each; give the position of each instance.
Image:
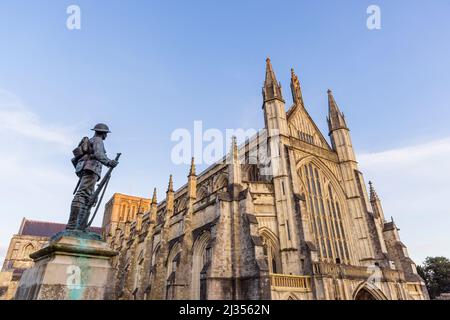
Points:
(73, 266)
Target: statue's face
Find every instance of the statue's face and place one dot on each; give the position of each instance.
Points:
(104, 135)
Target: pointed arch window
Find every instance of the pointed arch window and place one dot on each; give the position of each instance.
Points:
(172, 266)
(253, 173)
(201, 259)
(202, 192)
(272, 252)
(28, 249)
(221, 183)
(326, 219)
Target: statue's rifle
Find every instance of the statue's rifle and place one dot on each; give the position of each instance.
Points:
(101, 188)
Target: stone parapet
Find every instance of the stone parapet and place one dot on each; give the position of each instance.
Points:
(356, 272)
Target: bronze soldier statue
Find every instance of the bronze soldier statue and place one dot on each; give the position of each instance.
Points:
(90, 156)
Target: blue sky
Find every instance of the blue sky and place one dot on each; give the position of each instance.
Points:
(147, 68)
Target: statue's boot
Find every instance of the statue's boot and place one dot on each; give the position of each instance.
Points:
(74, 213)
(82, 219)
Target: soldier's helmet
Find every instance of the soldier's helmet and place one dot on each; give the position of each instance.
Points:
(101, 127)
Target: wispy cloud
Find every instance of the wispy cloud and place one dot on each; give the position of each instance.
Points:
(414, 185)
(408, 155)
(16, 118)
(35, 174)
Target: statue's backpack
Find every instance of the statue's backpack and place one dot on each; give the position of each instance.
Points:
(84, 148)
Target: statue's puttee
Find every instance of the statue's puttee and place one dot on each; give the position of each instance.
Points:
(90, 156)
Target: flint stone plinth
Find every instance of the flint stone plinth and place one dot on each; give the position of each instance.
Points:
(70, 267)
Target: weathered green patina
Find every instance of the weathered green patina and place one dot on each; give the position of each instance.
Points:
(77, 234)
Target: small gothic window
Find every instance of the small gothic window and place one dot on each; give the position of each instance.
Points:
(274, 266)
(207, 256)
(174, 264)
(271, 254)
(306, 137)
(265, 250)
(29, 248)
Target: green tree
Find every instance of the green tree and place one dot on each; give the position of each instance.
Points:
(435, 271)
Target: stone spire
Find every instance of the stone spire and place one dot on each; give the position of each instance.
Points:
(139, 216)
(375, 202)
(272, 89)
(170, 201)
(170, 187)
(154, 198)
(153, 207)
(234, 170)
(336, 119)
(192, 181)
(296, 89)
(192, 170)
(234, 149)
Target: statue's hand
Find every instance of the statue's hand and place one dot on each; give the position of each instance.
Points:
(113, 163)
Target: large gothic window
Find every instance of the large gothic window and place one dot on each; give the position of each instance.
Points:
(325, 211)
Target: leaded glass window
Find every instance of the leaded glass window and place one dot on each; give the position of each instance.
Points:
(325, 214)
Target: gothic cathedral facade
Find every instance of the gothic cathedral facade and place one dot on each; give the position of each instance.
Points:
(297, 225)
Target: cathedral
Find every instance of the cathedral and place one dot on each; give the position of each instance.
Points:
(296, 224)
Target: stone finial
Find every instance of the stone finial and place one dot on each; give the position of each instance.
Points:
(296, 88)
(170, 188)
(373, 193)
(153, 207)
(192, 181)
(170, 198)
(139, 216)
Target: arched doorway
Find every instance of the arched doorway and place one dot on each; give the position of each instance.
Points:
(364, 294)
(367, 291)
